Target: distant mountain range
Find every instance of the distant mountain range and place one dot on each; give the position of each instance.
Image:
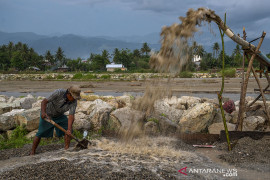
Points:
(75, 46)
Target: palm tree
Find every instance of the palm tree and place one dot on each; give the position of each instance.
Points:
(59, 56)
(10, 48)
(145, 48)
(215, 49)
(237, 50)
(49, 57)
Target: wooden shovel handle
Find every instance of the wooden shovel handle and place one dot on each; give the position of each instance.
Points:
(59, 127)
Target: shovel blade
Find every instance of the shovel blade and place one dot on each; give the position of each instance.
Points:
(83, 144)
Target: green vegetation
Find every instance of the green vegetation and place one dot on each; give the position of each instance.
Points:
(49, 77)
(60, 76)
(17, 139)
(230, 73)
(105, 76)
(78, 76)
(185, 74)
(153, 119)
(18, 58)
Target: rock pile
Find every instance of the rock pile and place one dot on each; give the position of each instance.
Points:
(171, 115)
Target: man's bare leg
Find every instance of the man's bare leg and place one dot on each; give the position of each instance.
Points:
(36, 142)
(67, 141)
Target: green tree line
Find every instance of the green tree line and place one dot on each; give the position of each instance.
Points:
(20, 57)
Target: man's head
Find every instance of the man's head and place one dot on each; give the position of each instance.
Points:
(74, 92)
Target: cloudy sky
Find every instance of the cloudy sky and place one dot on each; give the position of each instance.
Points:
(124, 17)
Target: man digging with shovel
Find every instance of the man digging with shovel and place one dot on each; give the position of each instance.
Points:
(54, 107)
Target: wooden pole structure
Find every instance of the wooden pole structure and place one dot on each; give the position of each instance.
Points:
(242, 96)
(239, 126)
(267, 77)
(262, 93)
(258, 97)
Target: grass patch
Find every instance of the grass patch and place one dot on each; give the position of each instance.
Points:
(60, 76)
(153, 119)
(105, 76)
(89, 76)
(49, 77)
(77, 76)
(16, 140)
(230, 73)
(185, 74)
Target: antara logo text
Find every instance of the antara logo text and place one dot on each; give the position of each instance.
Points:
(225, 172)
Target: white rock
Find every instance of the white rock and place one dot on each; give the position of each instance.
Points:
(3, 98)
(127, 117)
(32, 134)
(99, 114)
(37, 104)
(11, 99)
(188, 101)
(29, 118)
(163, 108)
(81, 121)
(7, 107)
(197, 118)
(251, 123)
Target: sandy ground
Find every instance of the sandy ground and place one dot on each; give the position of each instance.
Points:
(212, 85)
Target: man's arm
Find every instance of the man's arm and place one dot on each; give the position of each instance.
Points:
(43, 108)
(70, 122)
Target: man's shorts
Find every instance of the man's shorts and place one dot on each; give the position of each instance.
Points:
(45, 128)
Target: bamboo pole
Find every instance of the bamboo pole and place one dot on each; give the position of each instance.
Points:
(240, 122)
(258, 97)
(222, 88)
(267, 77)
(262, 93)
(242, 96)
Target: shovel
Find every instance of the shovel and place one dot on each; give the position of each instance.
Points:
(81, 144)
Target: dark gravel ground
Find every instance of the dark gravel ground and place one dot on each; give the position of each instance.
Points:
(248, 153)
(52, 162)
(25, 151)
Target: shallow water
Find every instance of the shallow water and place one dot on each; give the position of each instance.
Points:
(233, 96)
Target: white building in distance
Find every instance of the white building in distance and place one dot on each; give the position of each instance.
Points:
(112, 67)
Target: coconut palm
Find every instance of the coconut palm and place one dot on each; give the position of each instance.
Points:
(215, 49)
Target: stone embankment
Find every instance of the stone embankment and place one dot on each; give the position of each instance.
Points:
(186, 114)
(112, 76)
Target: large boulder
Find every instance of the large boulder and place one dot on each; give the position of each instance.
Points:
(32, 134)
(151, 128)
(189, 101)
(251, 123)
(84, 106)
(37, 104)
(11, 99)
(217, 127)
(29, 118)
(197, 118)
(7, 107)
(125, 99)
(8, 120)
(166, 126)
(81, 122)
(26, 102)
(3, 98)
(163, 108)
(99, 115)
(127, 117)
(218, 117)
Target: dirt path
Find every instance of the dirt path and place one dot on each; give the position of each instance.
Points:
(232, 85)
